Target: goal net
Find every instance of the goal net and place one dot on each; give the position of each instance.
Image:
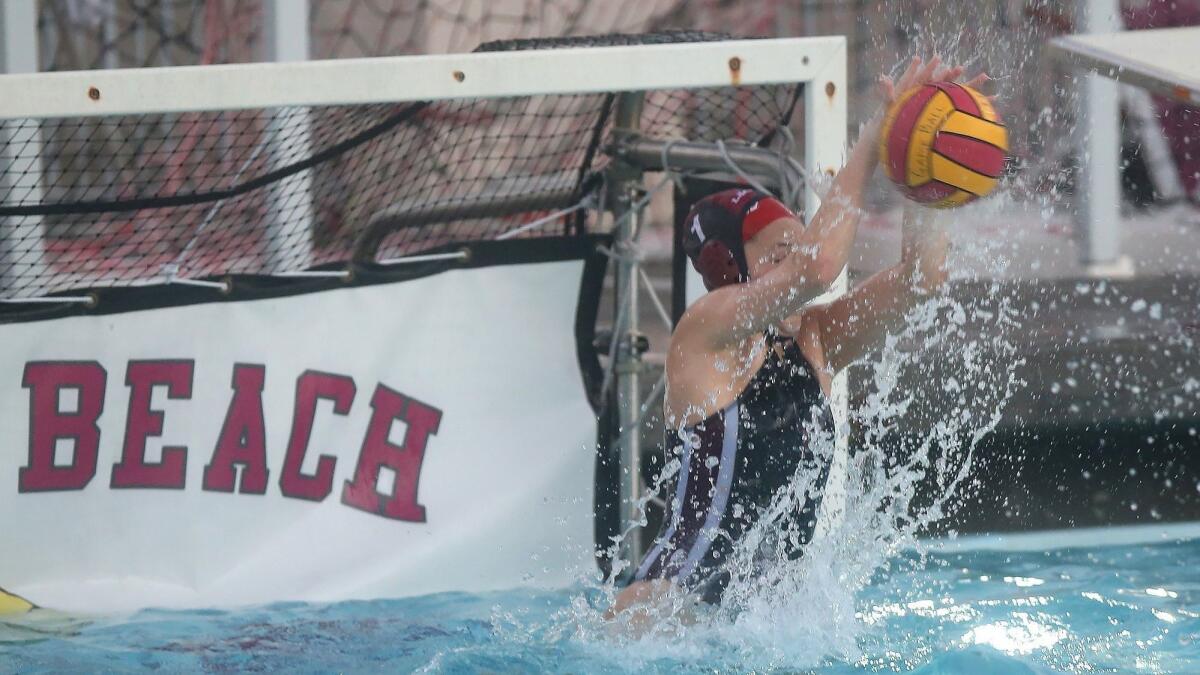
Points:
(209, 175)
(153, 186)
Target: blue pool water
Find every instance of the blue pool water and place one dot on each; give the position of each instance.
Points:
(956, 609)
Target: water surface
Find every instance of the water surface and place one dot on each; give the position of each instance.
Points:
(1010, 608)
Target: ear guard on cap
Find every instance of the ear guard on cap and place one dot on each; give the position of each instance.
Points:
(716, 264)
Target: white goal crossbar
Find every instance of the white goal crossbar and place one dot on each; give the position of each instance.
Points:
(425, 78)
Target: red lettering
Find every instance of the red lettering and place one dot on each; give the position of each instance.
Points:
(143, 423)
(49, 423)
(243, 439)
(311, 387)
(404, 460)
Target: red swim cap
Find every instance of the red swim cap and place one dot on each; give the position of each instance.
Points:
(717, 228)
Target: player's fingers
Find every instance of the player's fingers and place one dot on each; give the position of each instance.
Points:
(948, 74)
(941, 75)
(887, 88)
(978, 80)
(911, 71)
(927, 72)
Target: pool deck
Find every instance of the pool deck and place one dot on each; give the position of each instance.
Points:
(1081, 537)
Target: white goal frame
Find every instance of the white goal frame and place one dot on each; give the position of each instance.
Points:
(818, 63)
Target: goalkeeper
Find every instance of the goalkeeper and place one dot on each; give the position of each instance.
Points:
(750, 364)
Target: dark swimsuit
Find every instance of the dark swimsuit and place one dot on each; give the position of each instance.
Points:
(735, 462)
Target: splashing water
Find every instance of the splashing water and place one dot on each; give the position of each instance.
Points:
(809, 613)
(799, 613)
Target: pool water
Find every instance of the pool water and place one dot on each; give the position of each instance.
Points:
(976, 606)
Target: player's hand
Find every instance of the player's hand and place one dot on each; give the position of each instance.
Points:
(923, 72)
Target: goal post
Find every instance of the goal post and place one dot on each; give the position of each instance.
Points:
(156, 187)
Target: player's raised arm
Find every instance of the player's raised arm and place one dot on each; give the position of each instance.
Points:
(858, 322)
(787, 264)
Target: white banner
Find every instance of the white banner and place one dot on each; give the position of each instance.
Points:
(411, 438)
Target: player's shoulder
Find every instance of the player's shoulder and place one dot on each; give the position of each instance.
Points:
(708, 321)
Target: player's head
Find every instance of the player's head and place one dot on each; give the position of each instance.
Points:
(736, 235)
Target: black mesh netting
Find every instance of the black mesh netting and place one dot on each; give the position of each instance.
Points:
(119, 201)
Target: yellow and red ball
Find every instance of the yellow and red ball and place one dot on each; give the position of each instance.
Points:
(943, 144)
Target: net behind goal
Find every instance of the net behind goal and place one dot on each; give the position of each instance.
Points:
(209, 175)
